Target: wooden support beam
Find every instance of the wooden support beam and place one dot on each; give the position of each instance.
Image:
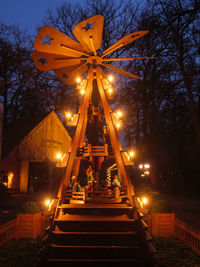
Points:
(78, 135)
(116, 145)
(24, 170)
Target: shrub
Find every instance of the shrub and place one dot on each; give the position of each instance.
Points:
(30, 207)
(4, 193)
(160, 206)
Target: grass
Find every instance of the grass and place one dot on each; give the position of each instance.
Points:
(173, 253)
(20, 253)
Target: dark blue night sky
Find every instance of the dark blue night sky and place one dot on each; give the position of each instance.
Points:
(26, 13)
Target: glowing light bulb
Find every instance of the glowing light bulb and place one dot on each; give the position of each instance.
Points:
(47, 202)
(78, 79)
(146, 166)
(58, 155)
(141, 166)
(82, 92)
(110, 78)
(131, 154)
(68, 115)
(144, 200)
(118, 125)
(119, 114)
(110, 90)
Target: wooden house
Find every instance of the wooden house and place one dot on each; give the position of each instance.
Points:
(33, 160)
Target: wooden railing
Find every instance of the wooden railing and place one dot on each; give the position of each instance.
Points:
(8, 231)
(189, 235)
(90, 150)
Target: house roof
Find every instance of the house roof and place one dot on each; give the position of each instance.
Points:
(21, 129)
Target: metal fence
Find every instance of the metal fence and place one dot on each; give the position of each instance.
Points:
(8, 231)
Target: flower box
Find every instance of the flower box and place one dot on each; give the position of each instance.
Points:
(29, 225)
(162, 224)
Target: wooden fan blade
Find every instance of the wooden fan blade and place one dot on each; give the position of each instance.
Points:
(128, 58)
(124, 41)
(50, 40)
(45, 61)
(90, 29)
(69, 75)
(128, 74)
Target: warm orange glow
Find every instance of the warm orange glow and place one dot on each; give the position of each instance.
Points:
(58, 155)
(68, 115)
(141, 166)
(78, 79)
(119, 114)
(131, 154)
(82, 92)
(144, 200)
(110, 90)
(10, 179)
(118, 125)
(146, 166)
(146, 172)
(47, 202)
(110, 78)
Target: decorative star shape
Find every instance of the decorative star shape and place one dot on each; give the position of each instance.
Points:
(47, 39)
(43, 60)
(80, 54)
(88, 26)
(64, 75)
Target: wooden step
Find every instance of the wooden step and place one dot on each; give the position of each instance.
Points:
(93, 238)
(77, 223)
(97, 200)
(95, 263)
(94, 252)
(95, 207)
(96, 235)
(98, 208)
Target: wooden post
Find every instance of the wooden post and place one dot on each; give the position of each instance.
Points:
(24, 170)
(78, 135)
(116, 145)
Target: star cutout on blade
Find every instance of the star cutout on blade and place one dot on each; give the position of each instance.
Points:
(67, 57)
(43, 60)
(88, 26)
(47, 39)
(64, 75)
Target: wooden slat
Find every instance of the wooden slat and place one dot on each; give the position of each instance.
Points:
(8, 232)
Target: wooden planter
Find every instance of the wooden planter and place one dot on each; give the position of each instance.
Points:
(162, 224)
(29, 225)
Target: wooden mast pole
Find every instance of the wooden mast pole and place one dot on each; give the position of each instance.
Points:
(116, 145)
(78, 135)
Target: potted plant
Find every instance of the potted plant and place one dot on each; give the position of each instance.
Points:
(29, 221)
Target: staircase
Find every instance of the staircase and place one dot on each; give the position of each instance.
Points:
(97, 235)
